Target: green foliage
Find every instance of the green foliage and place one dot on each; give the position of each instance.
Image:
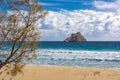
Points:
(19, 30)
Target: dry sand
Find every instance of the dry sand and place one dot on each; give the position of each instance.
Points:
(66, 73)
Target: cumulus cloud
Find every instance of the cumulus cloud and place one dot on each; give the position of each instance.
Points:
(95, 26)
(108, 6)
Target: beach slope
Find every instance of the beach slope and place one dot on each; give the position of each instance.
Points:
(66, 73)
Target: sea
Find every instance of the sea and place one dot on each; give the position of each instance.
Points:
(98, 54)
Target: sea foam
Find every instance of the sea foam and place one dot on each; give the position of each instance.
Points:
(62, 57)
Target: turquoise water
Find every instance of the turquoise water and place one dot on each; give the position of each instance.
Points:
(89, 46)
(83, 54)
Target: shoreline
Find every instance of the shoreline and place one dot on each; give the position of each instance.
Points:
(113, 68)
(35, 72)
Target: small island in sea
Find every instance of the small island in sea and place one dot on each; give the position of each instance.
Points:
(75, 37)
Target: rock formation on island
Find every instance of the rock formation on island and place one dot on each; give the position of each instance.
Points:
(75, 37)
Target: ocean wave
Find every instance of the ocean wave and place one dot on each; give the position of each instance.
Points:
(71, 54)
(78, 58)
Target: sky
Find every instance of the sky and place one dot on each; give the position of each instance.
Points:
(97, 20)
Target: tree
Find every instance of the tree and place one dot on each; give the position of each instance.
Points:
(18, 33)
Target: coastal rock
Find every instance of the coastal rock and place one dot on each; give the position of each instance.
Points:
(75, 37)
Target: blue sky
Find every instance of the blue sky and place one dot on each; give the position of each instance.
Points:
(97, 20)
(70, 4)
(67, 4)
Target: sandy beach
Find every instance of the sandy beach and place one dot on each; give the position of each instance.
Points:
(66, 73)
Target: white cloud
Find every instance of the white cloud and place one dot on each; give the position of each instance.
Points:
(68, 0)
(92, 24)
(49, 4)
(108, 6)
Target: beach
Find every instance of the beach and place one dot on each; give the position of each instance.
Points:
(66, 73)
(72, 61)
